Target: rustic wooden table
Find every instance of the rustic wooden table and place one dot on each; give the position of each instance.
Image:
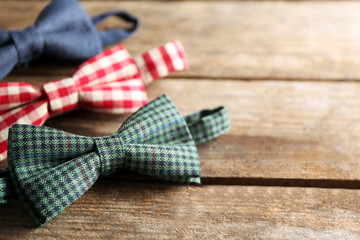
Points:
(290, 166)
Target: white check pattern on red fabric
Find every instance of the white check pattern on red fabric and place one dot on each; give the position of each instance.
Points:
(111, 82)
(161, 61)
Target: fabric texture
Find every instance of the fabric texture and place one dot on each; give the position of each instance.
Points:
(110, 82)
(50, 169)
(207, 124)
(63, 30)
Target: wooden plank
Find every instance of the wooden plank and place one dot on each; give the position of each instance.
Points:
(112, 210)
(180, 0)
(298, 40)
(280, 129)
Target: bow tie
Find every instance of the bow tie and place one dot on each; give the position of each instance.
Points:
(50, 168)
(110, 82)
(62, 30)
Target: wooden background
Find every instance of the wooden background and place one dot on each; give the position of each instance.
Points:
(289, 168)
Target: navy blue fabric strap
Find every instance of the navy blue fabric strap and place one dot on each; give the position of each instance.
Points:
(63, 30)
(111, 36)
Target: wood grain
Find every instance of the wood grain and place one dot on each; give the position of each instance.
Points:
(280, 129)
(113, 210)
(292, 124)
(237, 40)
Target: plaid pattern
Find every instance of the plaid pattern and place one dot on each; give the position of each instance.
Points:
(6, 190)
(50, 168)
(208, 124)
(110, 82)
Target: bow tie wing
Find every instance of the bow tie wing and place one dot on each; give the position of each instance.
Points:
(63, 14)
(71, 46)
(158, 143)
(33, 113)
(14, 108)
(14, 94)
(116, 97)
(68, 34)
(8, 56)
(50, 168)
(110, 82)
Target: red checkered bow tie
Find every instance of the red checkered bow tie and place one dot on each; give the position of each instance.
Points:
(110, 82)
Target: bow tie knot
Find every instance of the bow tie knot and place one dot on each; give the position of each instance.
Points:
(29, 44)
(63, 95)
(112, 153)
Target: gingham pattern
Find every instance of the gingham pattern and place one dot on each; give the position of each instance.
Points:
(159, 62)
(110, 82)
(50, 168)
(13, 94)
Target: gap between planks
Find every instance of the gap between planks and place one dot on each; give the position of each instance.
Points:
(248, 181)
(21, 74)
(308, 131)
(161, 211)
(186, 0)
(238, 181)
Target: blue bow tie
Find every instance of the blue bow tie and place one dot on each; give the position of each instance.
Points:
(62, 30)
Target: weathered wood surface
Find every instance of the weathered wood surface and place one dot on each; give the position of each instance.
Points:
(125, 210)
(280, 129)
(284, 132)
(236, 39)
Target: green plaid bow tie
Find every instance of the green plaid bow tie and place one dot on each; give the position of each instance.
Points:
(49, 169)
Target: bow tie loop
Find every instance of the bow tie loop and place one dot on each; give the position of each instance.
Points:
(111, 36)
(29, 44)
